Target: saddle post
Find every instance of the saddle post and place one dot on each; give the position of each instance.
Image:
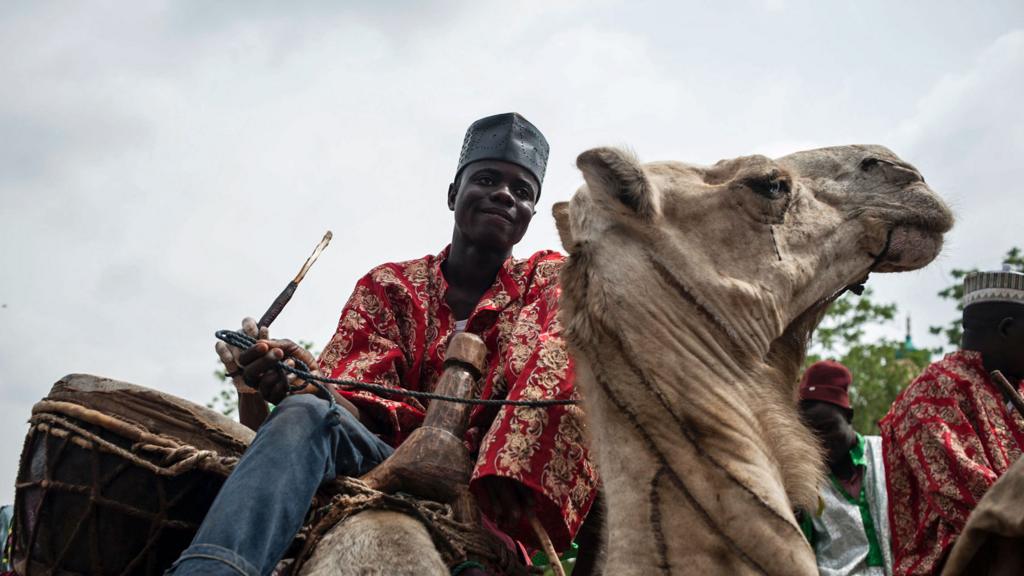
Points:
(433, 463)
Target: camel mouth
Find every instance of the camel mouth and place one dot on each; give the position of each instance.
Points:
(909, 247)
(915, 236)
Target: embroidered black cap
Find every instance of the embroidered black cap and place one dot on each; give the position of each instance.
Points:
(508, 137)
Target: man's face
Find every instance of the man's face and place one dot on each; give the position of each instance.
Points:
(1011, 332)
(493, 203)
(996, 329)
(829, 422)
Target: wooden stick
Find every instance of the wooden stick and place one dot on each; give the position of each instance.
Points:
(545, 542)
(312, 257)
(1009, 391)
(278, 305)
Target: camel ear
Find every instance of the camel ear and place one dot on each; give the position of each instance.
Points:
(561, 213)
(619, 174)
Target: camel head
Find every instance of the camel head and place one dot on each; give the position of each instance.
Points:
(756, 247)
(688, 299)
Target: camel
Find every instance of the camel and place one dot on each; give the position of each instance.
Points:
(688, 299)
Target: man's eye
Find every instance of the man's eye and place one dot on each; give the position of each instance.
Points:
(485, 181)
(524, 193)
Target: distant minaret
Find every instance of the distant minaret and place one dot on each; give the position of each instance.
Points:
(908, 344)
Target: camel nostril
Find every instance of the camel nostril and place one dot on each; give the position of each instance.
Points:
(868, 163)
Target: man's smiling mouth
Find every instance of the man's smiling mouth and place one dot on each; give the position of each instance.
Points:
(499, 213)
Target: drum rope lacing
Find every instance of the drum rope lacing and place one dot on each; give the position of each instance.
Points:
(241, 340)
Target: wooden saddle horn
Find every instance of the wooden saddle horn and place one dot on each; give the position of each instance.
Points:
(433, 462)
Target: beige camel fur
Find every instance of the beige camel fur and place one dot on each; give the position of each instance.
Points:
(376, 543)
(688, 298)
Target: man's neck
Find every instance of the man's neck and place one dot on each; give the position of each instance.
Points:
(989, 359)
(844, 469)
(470, 270)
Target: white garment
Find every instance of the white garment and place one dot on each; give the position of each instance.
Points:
(841, 543)
(460, 325)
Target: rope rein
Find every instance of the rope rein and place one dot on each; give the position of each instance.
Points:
(241, 340)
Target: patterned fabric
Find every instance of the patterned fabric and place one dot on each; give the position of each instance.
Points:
(394, 331)
(6, 543)
(851, 536)
(946, 440)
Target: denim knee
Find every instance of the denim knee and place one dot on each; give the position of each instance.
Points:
(299, 416)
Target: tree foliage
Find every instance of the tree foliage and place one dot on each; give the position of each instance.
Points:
(952, 330)
(880, 368)
(883, 367)
(226, 399)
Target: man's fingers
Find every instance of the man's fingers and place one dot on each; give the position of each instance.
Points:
(253, 353)
(288, 376)
(249, 327)
(267, 361)
(253, 371)
(261, 370)
(273, 387)
(265, 375)
(293, 350)
(226, 357)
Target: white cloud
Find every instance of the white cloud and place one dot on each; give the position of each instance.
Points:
(967, 138)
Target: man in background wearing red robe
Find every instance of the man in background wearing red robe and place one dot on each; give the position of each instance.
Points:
(394, 331)
(951, 434)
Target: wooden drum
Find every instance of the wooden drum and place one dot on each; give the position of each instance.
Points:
(115, 478)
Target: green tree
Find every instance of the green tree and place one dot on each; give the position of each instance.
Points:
(952, 330)
(226, 399)
(880, 368)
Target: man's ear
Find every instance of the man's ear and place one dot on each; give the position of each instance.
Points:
(452, 192)
(1005, 326)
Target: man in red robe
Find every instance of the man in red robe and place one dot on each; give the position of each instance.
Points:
(394, 331)
(951, 434)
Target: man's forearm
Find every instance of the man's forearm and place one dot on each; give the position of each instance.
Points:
(252, 410)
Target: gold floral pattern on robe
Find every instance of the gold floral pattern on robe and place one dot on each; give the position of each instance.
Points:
(394, 331)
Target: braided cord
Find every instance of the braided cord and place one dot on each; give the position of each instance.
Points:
(240, 340)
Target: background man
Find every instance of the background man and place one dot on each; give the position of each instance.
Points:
(850, 535)
(394, 331)
(951, 433)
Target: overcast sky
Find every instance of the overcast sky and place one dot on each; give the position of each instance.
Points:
(165, 167)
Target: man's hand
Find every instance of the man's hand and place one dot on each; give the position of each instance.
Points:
(260, 369)
(509, 500)
(229, 355)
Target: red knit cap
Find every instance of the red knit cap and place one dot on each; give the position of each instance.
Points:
(827, 381)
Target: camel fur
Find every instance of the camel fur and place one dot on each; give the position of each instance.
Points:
(688, 298)
(377, 543)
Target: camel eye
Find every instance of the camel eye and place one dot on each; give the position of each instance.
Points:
(772, 186)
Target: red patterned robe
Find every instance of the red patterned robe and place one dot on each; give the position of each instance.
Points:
(394, 331)
(946, 439)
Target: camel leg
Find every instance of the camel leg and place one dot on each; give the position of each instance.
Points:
(376, 543)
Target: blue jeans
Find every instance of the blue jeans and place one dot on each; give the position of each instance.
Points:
(262, 504)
